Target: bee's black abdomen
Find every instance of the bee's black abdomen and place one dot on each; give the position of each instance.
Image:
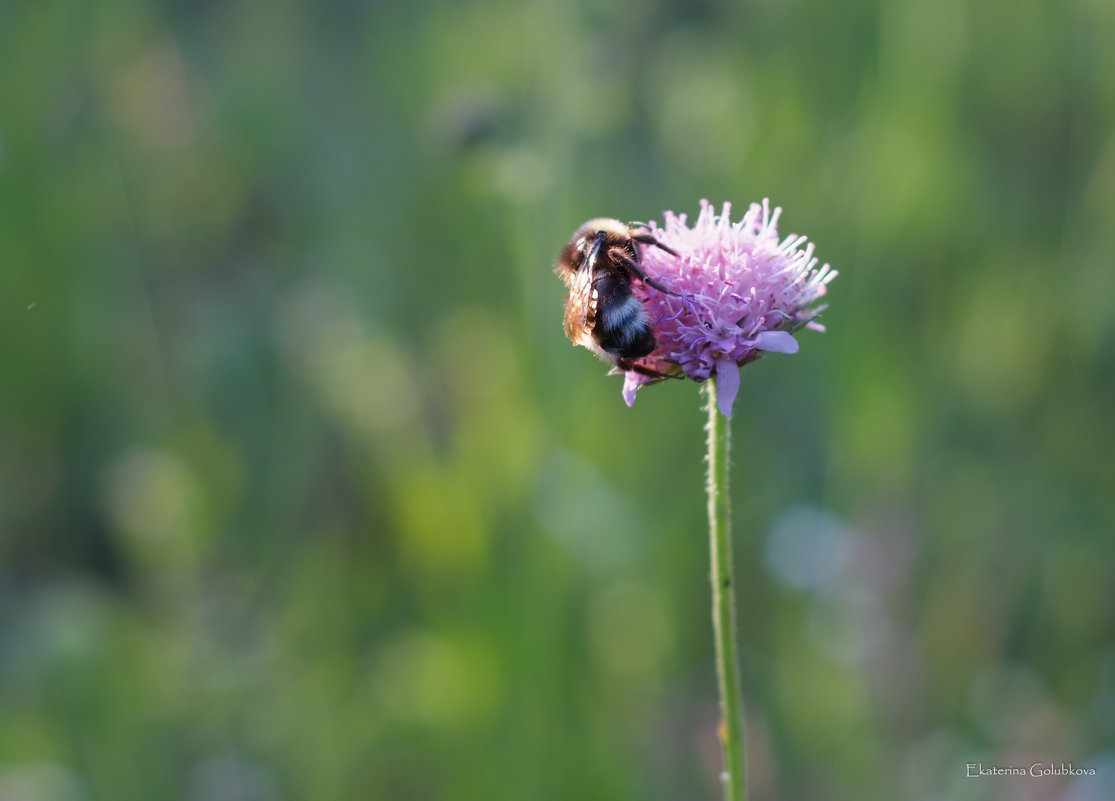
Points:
(627, 343)
(640, 346)
(622, 329)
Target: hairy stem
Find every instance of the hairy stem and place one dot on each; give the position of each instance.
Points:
(724, 600)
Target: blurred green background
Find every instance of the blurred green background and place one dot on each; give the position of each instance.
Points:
(303, 495)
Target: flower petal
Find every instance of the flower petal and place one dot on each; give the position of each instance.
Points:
(776, 342)
(727, 385)
(631, 383)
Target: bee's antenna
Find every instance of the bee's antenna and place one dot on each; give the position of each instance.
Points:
(594, 251)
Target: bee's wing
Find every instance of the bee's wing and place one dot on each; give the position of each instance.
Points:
(580, 307)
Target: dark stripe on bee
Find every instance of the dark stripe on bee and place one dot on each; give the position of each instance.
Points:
(622, 328)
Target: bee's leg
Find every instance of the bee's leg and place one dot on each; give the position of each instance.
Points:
(632, 265)
(642, 234)
(642, 369)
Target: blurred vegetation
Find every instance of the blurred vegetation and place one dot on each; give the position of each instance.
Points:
(303, 495)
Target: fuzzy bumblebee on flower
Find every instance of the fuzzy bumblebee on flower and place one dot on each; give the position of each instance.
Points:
(681, 301)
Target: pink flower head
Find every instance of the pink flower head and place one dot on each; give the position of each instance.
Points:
(741, 292)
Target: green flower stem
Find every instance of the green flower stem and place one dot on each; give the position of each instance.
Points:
(724, 600)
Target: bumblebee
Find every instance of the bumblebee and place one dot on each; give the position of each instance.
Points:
(599, 265)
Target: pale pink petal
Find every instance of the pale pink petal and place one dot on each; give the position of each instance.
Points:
(727, 385)
(631, 383)
(776, 342)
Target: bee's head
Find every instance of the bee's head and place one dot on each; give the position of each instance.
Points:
(591, 239)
